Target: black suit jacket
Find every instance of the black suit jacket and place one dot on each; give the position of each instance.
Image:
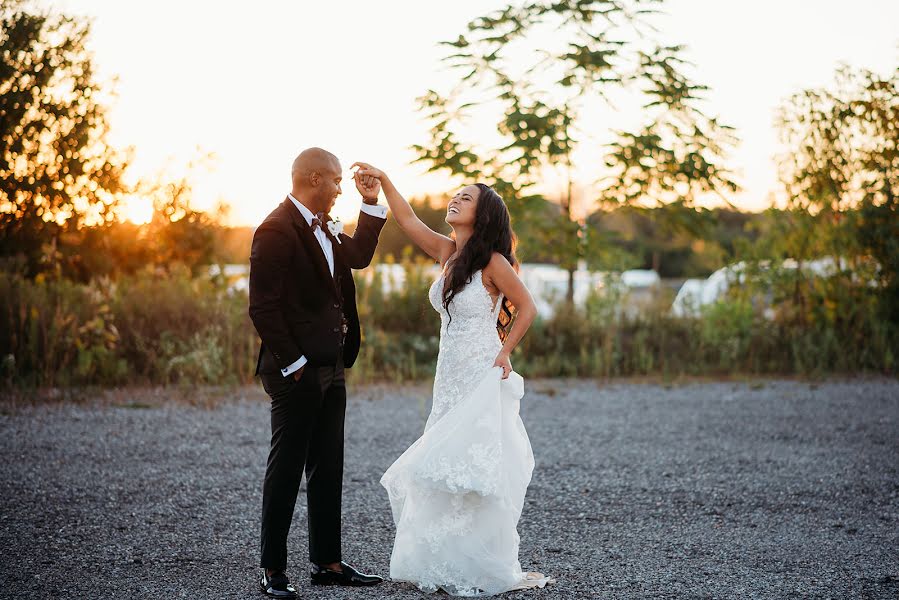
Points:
(295, 304)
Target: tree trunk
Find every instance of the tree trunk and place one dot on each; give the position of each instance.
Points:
(569, 296)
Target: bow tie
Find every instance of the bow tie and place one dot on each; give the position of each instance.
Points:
(317, 220)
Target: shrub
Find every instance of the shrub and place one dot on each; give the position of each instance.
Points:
(171, 327)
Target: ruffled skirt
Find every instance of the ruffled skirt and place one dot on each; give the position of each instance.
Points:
(457, 494)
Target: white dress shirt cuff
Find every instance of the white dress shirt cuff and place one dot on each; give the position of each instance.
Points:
(295, 366)
(375, 210)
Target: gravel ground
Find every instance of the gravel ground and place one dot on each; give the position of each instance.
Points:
(774, 489)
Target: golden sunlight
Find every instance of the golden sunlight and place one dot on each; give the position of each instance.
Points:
(137, 209)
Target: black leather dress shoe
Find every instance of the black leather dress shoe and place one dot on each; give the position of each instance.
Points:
(277, 586)
(349, 576)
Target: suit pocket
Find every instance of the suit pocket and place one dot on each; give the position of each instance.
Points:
(267, 363)
(304, 330)
(276, 384)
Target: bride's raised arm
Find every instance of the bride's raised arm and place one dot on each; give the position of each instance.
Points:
(437, 245)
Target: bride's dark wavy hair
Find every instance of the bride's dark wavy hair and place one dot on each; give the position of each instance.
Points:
(492, 233)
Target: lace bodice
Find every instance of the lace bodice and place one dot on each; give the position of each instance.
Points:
(468, 345)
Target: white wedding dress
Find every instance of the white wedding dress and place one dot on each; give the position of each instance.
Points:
(457, 492)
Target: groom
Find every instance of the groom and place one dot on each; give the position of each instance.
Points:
(303, 305)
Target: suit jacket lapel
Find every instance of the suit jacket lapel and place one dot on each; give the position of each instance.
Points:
(313, 248)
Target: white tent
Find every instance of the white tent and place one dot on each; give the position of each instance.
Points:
(697, 293)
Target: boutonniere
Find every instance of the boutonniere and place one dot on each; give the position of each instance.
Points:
(335, 226)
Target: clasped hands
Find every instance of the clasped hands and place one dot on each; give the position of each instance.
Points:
(368, 185)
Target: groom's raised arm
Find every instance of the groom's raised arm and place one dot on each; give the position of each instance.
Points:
(269, 265)
(359, 249)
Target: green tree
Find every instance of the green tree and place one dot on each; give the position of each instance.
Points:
(179, 233)
(608, 49)
(57, 173)
(841, 175)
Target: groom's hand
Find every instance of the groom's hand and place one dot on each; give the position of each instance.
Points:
(367, 174)
(298, 373)
(368, 186)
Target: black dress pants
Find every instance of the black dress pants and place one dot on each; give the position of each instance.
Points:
(307, 434)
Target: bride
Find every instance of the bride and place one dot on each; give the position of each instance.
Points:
(457, 492)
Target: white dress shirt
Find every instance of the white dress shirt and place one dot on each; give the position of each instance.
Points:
(375, 210)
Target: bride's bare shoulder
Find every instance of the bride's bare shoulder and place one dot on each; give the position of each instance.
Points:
(496, 271)
(499, 264)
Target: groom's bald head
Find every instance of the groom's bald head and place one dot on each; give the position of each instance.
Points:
(313, 160)
(316, 178)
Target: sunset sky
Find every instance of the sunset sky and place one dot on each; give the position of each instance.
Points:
(254, 83)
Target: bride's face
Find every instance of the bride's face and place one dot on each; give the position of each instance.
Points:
(461, 208)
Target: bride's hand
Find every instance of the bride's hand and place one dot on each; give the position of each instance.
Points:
(502, 360)
(367, 169)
